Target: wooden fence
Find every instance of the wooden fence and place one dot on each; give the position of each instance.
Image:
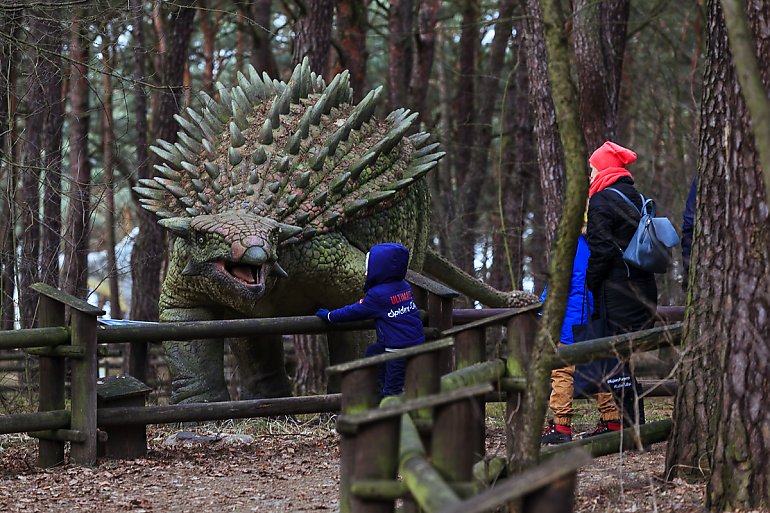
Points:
(440, 410)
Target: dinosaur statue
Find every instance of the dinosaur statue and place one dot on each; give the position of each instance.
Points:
(275, 193)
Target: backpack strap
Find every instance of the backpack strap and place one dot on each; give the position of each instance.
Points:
(625, 198)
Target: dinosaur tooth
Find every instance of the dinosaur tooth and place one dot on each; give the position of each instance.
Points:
(277, 270)
(186, 201)
(172, 187)
(395, 115)
(212, 169)
(268, 82)
(241, 100)
(236, 136)
(225, 99)
(319, 109)
(358, 167)
(189, 127)
(167, 172)
(266, 132)
(167, 156)
(253, 74)
(164, 214)
(234, 156)
(320, 199)
(259, 156)
(338, 183)
(354, 206)
(208, 129)
(316, 162)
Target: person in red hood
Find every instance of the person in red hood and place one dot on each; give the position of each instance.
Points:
(629, 294)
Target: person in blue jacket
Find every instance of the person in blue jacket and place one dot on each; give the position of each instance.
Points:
(578, 311)
(389, 302)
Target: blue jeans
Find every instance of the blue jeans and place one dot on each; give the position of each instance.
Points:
(390, 375)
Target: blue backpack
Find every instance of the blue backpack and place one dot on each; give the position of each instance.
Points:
(650, 247)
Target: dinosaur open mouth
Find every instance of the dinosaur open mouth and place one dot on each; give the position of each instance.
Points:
(248, 275)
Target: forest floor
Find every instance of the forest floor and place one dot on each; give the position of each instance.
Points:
(272, 466)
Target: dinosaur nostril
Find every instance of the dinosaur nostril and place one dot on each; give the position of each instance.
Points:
(255, 255)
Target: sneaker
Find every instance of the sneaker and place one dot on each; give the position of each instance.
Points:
(554, 434)
(604, 426)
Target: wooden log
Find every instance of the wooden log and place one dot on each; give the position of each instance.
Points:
(52, 375)
(423, 282)
(495, 320)
(610, 443)
(58, 352)
(485, 372)
(61, 435)
(198, 412)
(460, 316)
(34, 337)
(38, 421)
(386, 489)
(373, 361)
(520, 485)
(83, 388)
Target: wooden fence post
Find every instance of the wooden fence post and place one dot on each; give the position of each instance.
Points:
(52, 370)
(522, 330)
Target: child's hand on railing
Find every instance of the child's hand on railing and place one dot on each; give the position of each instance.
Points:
(323, 313)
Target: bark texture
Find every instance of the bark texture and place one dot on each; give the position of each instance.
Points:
(351, 33)
(314, 35)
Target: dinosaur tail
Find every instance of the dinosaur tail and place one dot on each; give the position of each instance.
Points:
(445, 271)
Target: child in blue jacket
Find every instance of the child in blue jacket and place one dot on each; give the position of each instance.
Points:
(389, 302)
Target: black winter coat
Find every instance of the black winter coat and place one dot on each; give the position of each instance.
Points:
(630, 294)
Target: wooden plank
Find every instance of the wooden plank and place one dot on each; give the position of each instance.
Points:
(351, 423)
(430, 285)
(83, 388)
(425, 347)
(218, 411)
(52, 375)
(494, 320)
(71, 301)
(518, 486)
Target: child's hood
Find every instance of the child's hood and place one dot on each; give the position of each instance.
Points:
(387, 263)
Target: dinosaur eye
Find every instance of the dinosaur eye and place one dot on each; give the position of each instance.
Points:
(201, 239)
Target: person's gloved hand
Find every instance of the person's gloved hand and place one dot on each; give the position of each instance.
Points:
(323, 313)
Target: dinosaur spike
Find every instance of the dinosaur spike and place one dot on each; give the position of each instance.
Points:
(267, 199)
(319, 109)
(189, 127)
(248, 88)
(164, 214)
(320, 199)
(419, 138)
(236, 136)
(336, 138)
(216, 186)
(303, 180)
(167, 156)
(268, 82)
(305, 79)
(425, 149)
(212, 169)
(420, 171)
(428, 158)
(302, 218)
(400, 184)
(211, 151)
(202, 198)
(362, 163)
(316, 162)
(225, 99)
(149, 182)
(395, 135)
(167, 172)
(332, 219)
(379, 196)
(186, 201)
(198, 185)
(208, 129)
(191, 169)
(303, 128)
(239, 115)
(151, 194)
(253, 177)
(172, 187)
(274, 187)
(293, 144)
(364, 110)
(234, 156)
(177, 225)
(287, 231)
(308, 233)
(186, 153)
(284, 164)
(221, 113)
(253, 74)
(241, 100)
(355, 206)
(193, 211)
(259, 156)
(189, 142)
(391, 118)
(291, 199)
(266, 132)
(339, 182)
(295, 83)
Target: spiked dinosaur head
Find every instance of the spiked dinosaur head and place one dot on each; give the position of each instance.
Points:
(270, 164)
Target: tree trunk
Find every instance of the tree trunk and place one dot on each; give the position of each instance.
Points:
(351, 32)
(726, 336)
(262, 54)
(422, 56)
(399, 51)
(8, 25)
(550, 154)
(600, 41)
(209, 34)
(312, 359)
(77, 232)
(314, 35)
(108, 154)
